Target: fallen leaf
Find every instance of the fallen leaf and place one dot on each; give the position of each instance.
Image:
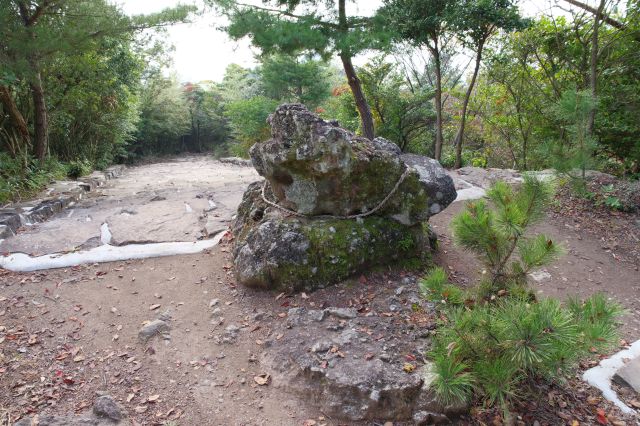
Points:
(601, 417)
(262, 379)
(153, 398)
(130, 397)
(141, 409)
(78, 358)
(154, 307)
(408, 367)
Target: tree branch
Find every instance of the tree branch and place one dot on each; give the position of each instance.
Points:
(606, 18)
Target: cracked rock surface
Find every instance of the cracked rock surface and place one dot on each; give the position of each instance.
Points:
(356, 366)
(183, 199)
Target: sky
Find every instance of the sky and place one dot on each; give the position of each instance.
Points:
(203, 52)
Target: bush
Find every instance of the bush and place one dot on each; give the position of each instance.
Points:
(494, 339)
(23, 177)
(248, 122)
(494, 348)
(78, 168)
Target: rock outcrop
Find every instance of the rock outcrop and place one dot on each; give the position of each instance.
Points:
(351, 366)
(315, 167)
(338, 204)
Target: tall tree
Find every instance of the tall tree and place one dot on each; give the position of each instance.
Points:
(321, 27)
(290, 78)
(424, 23)
(33, 32)
(476, 21)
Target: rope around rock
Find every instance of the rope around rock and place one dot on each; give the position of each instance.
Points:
(353, 216)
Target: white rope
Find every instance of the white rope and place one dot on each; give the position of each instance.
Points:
(353, 216)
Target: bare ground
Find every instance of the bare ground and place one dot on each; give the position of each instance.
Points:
(67, 334)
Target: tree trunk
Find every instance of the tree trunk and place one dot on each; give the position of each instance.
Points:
(438, 100)
(593, 67)
(40, 125)
(352, 78)
(18, 121)
(361, 102)
(465, 105)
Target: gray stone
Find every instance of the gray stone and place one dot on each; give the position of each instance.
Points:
(297, 254)
(151, 329)
(315, 168)
(629, 375)
(336, 373)
(324, 172)
(105, 406)
(344, 313)
(236, 161)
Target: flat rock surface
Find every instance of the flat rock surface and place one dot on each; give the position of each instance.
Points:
(168, 201)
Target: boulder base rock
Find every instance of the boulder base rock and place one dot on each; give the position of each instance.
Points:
(336, 365)
(315, 167)
(333, 204)
(277, 252)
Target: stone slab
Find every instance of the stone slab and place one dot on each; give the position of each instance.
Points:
(629, 375)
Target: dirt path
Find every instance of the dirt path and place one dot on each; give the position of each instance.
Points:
(67, 335)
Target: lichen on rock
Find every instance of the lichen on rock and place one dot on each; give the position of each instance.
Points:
(318, 173)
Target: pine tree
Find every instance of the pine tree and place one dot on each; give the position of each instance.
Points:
(492, 345)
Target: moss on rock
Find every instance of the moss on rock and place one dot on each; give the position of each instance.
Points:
(296, 254)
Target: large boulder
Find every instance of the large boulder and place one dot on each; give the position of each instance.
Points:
(277, 251)
(315, 167)
(333, 204)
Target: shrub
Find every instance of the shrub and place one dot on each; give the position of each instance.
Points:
(494, 339)
(248, 122)
(497, 235)
(78, 168)
(23, 177)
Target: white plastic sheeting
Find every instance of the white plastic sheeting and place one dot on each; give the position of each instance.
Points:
(600, 375)
(20, 262)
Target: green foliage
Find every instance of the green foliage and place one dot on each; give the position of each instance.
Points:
(435, 287)
(164, 117)
(497, 235)
(575, 156)
(453, 383)
(248, 122)
(402, 113)
(292, 79)
(341, 107)
(613, 203)
(23, 177)
(494, 345)
(78, 168)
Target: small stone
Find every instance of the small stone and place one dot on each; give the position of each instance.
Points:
(151, 329)
(213, 302)
(399, 290)
(105, 406)
(322, 346)
(342, 313)
(317, 315)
